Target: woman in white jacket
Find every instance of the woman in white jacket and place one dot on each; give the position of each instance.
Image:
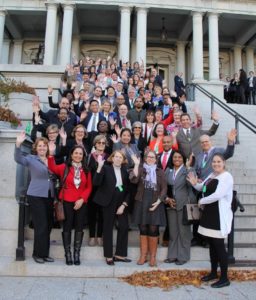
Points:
(216, 219)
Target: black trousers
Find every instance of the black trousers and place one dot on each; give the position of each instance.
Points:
(218, 255)
(42, 217)
(95, 219)
(109, 216)
(73, 217)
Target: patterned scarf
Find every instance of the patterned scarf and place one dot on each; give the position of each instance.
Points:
(150, 179)
(77, 173)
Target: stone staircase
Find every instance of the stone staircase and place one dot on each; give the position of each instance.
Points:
(243, 168)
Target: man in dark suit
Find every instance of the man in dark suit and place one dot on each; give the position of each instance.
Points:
(164, 162)
(91, 119)
(158, 79)
(138, 113)
(251, 88)
(188, 137)
(51, 116)
(129, 100)
(122, 120)
(178, 84)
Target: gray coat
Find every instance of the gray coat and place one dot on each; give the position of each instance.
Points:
(203, 171)
(181, 188)
(186, 146)
(40, 183)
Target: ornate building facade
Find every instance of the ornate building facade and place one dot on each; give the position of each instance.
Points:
(201, 38)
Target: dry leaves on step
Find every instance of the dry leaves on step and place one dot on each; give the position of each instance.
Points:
(173, 278)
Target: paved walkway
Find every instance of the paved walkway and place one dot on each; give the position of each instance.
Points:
(49, 288)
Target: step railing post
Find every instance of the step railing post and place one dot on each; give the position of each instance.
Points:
(231, 258)
(212, 105)
(20, 250)
(237, 129)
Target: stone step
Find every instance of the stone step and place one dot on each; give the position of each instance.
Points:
(244, 235)
(87, 269)
(244, 180)
(245, 188)
(242, 221)
(247, 198)
(241, 252)
(250, 209)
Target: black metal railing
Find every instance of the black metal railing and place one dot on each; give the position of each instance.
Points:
(214, 100)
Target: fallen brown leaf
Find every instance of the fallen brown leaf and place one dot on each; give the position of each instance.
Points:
(174, 278)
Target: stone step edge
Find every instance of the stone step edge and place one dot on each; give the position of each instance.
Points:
(92, 269)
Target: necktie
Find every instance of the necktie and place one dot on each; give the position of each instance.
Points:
(123, 123)
(188, 135)
(93, 128)
(164, 161)
(205, 159)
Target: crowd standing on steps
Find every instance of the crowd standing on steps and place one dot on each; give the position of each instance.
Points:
(127, 152)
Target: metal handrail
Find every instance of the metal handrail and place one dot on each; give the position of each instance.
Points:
(232, 112)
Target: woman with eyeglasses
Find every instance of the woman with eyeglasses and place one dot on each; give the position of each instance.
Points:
(103, 128)
(137, 137)
(149, 211)
(79, 137)
(95, 217)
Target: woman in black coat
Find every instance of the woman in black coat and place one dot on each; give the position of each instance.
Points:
(112, 194)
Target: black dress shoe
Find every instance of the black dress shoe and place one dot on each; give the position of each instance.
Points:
(169, 260)
(125, 260)
(194, 242)
(110, 262)
(180, 262)
(48, 259)
(209, 277)
(220, 283)
(38, 260)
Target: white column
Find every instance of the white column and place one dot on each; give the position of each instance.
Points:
(125, 26)
(213, 28)
(181, 59)
(141, 39)
(50, 33)
(198, 46)
(17, 51)
(5, 52)
(75, 48)
(249, 52)
(67, 34)
(2, 22)
(237, 58)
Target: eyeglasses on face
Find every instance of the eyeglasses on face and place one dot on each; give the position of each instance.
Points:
(52, 132)
(80, 131)
(102, 143)
(152, 157)
(136, 127)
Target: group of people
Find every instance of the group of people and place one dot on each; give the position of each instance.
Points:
(126, 152)
(241, 88)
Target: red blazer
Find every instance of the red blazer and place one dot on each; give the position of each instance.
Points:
(70, 192)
